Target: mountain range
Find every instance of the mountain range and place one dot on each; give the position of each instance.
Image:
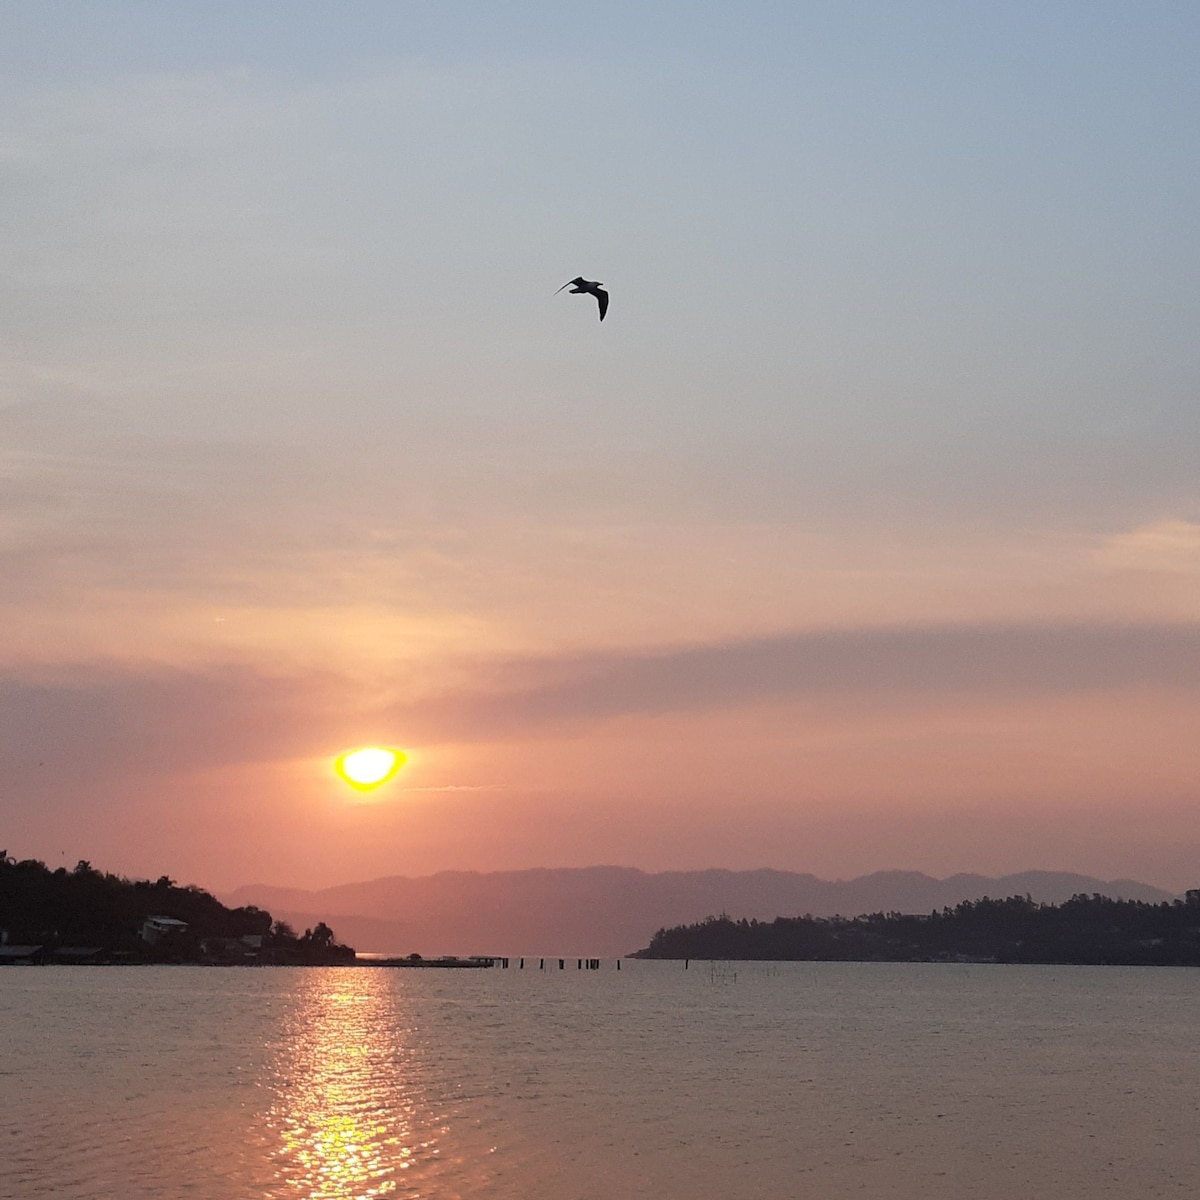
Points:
(610, 911)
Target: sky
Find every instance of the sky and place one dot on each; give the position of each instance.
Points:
(864, 533)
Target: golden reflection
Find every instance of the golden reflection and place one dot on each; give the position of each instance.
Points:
(345, 1117)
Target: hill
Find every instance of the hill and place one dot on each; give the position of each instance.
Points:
(614, 910)
(57, 912)
(1093, 930)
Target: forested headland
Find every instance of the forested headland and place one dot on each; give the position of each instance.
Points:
(1085, 930)
(84, 914)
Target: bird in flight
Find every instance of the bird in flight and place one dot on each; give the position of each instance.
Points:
(579, 284)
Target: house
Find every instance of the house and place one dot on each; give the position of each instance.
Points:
(21, 955)
(154, 929)
(230, 950)
(79, 955)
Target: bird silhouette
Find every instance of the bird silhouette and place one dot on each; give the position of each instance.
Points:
(579, 284)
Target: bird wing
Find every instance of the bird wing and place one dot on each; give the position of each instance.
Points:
(602, 298)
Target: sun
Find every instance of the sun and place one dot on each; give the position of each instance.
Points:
(369, 767)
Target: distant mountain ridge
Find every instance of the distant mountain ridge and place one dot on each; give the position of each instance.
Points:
(609, 911)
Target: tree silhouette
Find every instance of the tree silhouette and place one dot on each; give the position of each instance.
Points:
(88, 907)
(1086, 929)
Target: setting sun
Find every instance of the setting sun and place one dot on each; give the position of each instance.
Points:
(369, 767)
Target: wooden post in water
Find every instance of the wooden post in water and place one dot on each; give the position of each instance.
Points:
(562, 962)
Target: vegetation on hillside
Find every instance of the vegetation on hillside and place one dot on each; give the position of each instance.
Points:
(1086, 929)
(85, 907)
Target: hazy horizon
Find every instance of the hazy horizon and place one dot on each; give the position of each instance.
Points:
(864, 533)
(883, 872)
(607, 910)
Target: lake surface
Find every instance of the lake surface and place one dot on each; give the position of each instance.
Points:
(747, 1081)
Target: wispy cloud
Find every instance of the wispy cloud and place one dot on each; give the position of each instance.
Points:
(1164, 547)
(975, 662)
(99, 719)
(464, 787)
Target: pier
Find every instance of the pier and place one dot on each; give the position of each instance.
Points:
(474, 962)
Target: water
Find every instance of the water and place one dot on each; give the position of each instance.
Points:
(796, 1081)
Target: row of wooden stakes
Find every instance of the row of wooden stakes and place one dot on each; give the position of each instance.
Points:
(581, 964)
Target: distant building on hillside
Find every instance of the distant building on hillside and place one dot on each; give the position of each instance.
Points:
(79, 955)
(11, 955)
(246, 949)
(154, 929)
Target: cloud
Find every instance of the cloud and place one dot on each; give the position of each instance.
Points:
(102, 720)
(106, 719)
(1164, 547)
(464, 787)
(977, 662)
(88, 505)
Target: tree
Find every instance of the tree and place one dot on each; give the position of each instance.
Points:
(321, 935)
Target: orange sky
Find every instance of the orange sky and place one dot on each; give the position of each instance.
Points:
(864, 533)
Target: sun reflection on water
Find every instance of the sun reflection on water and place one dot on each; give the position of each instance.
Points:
(346, 1119)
